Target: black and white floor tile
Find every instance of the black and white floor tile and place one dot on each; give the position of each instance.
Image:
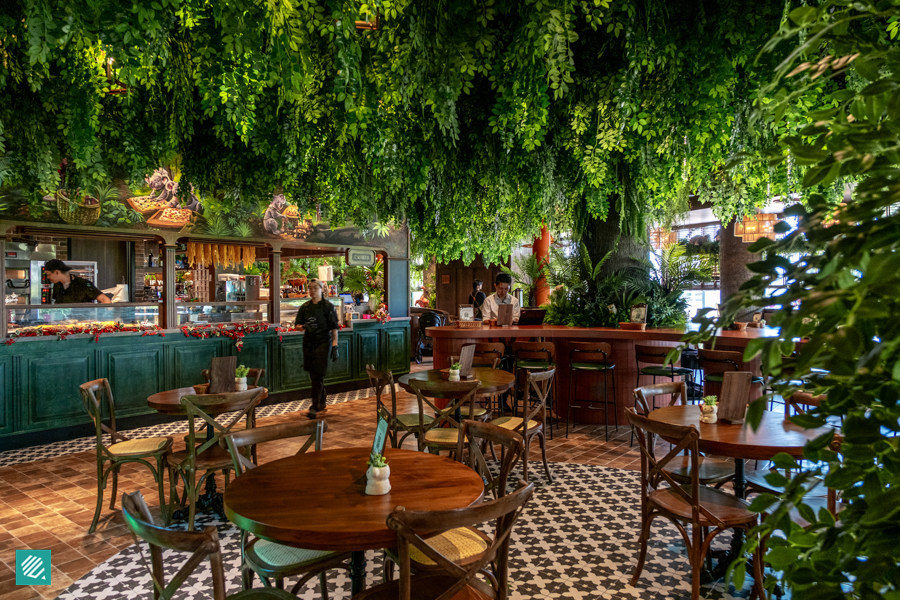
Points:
(24, 455)
(578, 539)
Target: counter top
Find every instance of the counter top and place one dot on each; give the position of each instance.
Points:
(663, 334)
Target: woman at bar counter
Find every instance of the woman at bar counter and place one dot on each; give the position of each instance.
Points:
(68, 288)
(319, 322)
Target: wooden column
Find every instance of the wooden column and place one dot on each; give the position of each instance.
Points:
(541, 251)
(275, 287)
(169, 314)
(734, 256)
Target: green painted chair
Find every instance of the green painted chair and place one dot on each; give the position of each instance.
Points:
(406, 424)
(209, 456)
(97, 396)
(592, 357)
(271, 560)
(201, 544)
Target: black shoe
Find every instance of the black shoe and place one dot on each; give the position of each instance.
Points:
(312, 413)
(323, 409)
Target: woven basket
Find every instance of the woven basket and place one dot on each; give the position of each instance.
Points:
(75, 214)
(468, 324)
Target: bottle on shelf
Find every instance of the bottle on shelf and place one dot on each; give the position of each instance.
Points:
(150, 259)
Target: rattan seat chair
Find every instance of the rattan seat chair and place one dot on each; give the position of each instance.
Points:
(406, 424)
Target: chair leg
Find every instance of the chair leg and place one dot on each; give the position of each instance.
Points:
(246, 578)
(101, 485)
(115, 487)
(323, 585)
(192, 487)
(642, 555)
(572, 375)
(615, 402)
(543, 442)
(525, 448)
(160, 481)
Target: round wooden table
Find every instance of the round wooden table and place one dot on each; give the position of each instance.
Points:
(493, 381)
(169, 402)
(317, 500)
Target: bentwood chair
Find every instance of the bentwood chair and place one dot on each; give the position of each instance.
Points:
(534, 422)
(592, 357)
(97, 395)
(201, 544)
(707, 511)
(465, 545)
(530, 357)
(442, 432)
(451, 579)
(209, 456)
(268, 559)
(406, 423)
(713, 471)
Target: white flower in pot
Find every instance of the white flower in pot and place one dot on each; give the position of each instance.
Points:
(378, 476)
(454, 372)
(709, 410)
(240, 378)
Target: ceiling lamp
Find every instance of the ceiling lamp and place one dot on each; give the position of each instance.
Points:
(661, 237)
(758, 226)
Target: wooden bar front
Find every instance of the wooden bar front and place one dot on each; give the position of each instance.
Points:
(449, 340)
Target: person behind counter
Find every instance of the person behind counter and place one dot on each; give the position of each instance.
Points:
(320, 324)
(477, 297)
(68, 288)
(502, 284)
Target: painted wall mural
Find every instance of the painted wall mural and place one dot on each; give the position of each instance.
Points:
(156, 204)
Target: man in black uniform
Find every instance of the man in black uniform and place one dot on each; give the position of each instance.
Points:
(320, 325)
(69, 288)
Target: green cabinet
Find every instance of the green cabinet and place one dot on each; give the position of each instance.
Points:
(368, 344)
(341, 369)
(50, 392)
(291, 375)
(189, 359)
(396, 354)
(6, 395)
(134, 373)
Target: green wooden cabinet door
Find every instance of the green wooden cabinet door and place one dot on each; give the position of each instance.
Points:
(367, 346)
(255, 355)
(291, 375)
(340, 371)
(6, 396)
(396, 345)
(52, 397)
(134, 374)
(190, 358)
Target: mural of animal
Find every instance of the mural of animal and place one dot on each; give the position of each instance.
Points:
(164, 188)
(272, 219)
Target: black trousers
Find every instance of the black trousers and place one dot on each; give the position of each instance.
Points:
(315, 361)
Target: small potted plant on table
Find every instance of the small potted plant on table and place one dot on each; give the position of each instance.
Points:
(378, 476)
(240, 378)
(709, 410)
(454, 371)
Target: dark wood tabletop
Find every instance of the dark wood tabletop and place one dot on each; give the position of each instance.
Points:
(317, 500)
(169, 402)
(493, 381)
(774, 435)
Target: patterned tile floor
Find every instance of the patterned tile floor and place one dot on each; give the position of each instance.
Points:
(48, 501)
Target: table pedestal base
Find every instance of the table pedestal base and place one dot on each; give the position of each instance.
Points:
(210, 501)
(357, 572)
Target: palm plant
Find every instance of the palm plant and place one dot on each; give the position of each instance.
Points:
(530, 269)
(675, 271)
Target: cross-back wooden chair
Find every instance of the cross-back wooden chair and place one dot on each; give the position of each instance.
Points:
(442, 432)
(465, 545)
(210, 455)
(96, 396)
(530, 357)
(481, 413)
(271, 560)
(713, 471)
(686, 505)
(202, 545)
(534, 422)
(490, 355)
(450, 579)
(406, 424)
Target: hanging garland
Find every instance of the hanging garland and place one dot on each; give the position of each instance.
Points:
(235, 332)
(96, 330)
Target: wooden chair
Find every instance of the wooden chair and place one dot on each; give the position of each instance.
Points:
(452, 580)
(201, 544)
(715, 363)
(407, 423)
(490, 355)
(655, 356)
(799, 402)
(592, 357)
(700, 507)
(95, 395)
(466, 545)
(713, 471)
(442, 432)
(530, 357)
(211, 455)
(271, 560)
(480, 413)
(534, 422)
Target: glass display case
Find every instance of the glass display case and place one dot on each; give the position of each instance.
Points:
(221, 312)
(23, 316)
(290, 306)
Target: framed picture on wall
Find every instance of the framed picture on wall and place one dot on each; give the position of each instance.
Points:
(639, 313)
(445, 279)
(466, 312)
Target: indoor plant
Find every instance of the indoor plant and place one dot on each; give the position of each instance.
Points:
(454, 371)
(240, 378)
(709, 410)
(378, 475)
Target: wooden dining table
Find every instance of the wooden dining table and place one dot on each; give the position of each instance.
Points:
(493, 381)
(317, 500)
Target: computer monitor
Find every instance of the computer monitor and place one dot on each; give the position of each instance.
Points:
(532, 316)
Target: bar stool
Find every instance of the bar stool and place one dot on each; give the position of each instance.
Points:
(715, 363)
(592, 357)
(490, 355)
(656, 356)
(532, 357)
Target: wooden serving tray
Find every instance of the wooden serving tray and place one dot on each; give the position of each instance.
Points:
(155, 221)
(468, 324)
(135, 206)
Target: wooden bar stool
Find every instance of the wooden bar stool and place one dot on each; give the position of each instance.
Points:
(655, 356)
(715, 363)
(592, 357)
(532, 357)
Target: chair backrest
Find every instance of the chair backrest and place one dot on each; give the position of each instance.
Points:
(200, 407)
(428, 320)
(461, 396)
(413, 526)
(653, 473)
(381, 380)
(589, 352)
(475, 436)
(539, 382)
(96, 396)
(676, 390)
(253, 376)
(720, 361)
(534, 351)
(238, 440)
(653, 355)
(488, 354)
(800, 401)
(201, 544)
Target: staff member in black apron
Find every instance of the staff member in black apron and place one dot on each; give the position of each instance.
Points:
(68, 288)
(320, 325)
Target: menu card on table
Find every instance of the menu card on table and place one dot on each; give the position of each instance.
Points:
(466, 356)
(221, 374)
(504, 315)
(733, 399)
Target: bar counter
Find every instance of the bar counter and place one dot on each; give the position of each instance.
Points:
(449, 340)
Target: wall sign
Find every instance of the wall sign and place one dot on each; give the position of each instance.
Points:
(360, 257)
(445, 279)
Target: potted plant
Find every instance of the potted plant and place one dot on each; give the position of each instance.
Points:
(240, 378)
(709, 410)
(454, 372)
(378, 475)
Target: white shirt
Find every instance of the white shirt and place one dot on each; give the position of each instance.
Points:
(489, 308)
